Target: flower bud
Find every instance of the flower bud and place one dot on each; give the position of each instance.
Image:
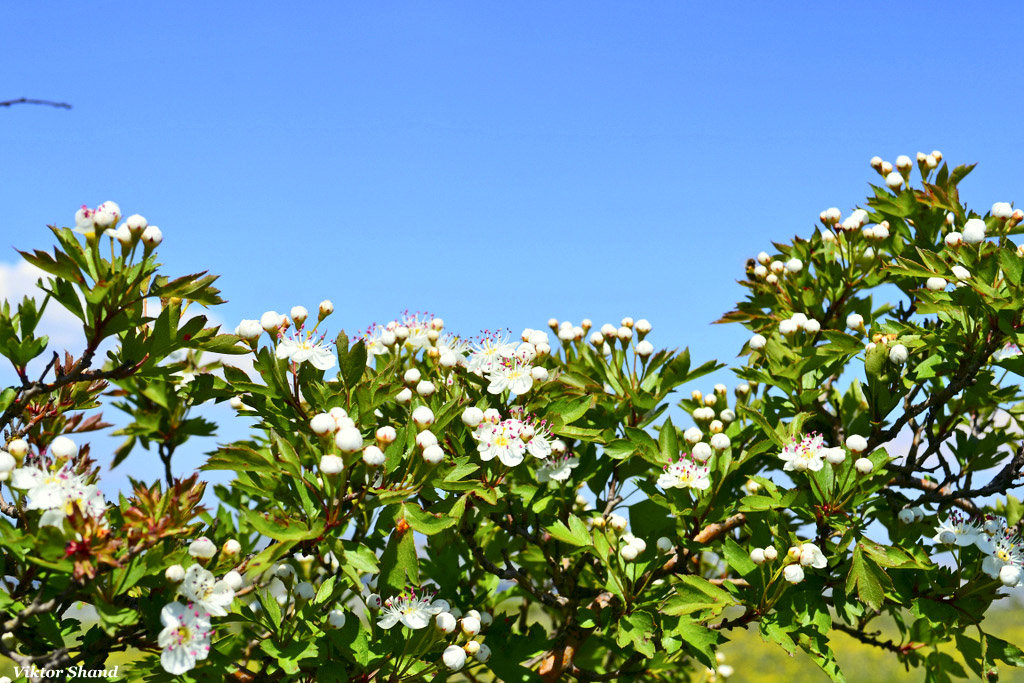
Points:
(720, 442)
(757, 342)
(64, 448)
(776, 267)
(701, 452)
(856, 443)
(693, 435)
(664, 544)
(793, 573)
(835, 456)
(539, 374)
(876, 162)
(373, 456)
(644, 349)
(202, 548)
(771, 554)
(433, 454)
(863, 466)
(404, 396)
(304, 590)
(231, 548)
(271, 321)
(894, 181)
(411, 376)
(234, 580)
(386, 435)
(175, 573)
(152, 236)
(757, 555)
(1001, 210)
(935, 284)
(1009, 575)
(772, 278)
(898, 354)
(336, 618)
(422, 417)
(454, 657)
(483, 654)
(628, 553)
(331, 464)
(425, 388)
(616, 522)
(794, 265)
(299, 315)
(348, 440)
(624, 334)
(974, 231)
(470, 625)
(322, 424)
(445, 622)
(18, 448)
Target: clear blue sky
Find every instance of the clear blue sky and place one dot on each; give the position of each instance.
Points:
(495, 163)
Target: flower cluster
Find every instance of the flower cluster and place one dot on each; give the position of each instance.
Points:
(185, 638)
(685, 473)
(59, 492)
(511, 439)
(1003, 549)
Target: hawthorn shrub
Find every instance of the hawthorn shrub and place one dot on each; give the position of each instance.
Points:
(413, 505)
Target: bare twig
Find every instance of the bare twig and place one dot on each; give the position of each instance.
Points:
(27, 100)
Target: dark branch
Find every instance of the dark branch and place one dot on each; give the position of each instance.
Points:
(26, 100)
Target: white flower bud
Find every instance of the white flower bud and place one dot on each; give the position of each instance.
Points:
(539, 374)
(906, 516)
(401, 333)
(373, 601)
(445, 622)
(642, 326)
(763, 258)
(757, 555)
(348, 439)
(953, 239)
(856, 443)
(484, 653)
(776, 267)
(624, 334)
(961, 273)
(404, 396)
(894, 180)
(7, 465)
(322, 424)
(771, 554)
(793, 573)
(935, 284)
(812, 326)
(299, 315)
(386, 435)
(136, 223)
(472, 416)
(1002, 210)
(454, 657)
(835, 456)
(693, 435)
(388, 338)
(886, 168)
(202, 548)
(898, 354)
(152, 236)
(326, 308)
(433, 454)
(470, 625)
(411, 376)
(616, 522)
(175, 573)
(373, 456)
(472, 647)
(876, 162)
(231, 548)
(757, 342)
(628, 553)
(250, 330)
(425, 388)
(772, 278)
(331, 464)
(305, 590)
(234, 580)
(903, 162)
(644, 349)
(1009, 575)
(18, 448)
(123, 235)
(336, 618)
(422, 417)
(271, 321)
(788, 327)
(665, 544)
(720, 442)
(760, 272)
(63, 447)
(974, 231)
(794, 265)
(863, 466)
(701, 452)
(727, 415)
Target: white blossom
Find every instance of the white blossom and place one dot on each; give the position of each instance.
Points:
(185, 638)
(200, 587)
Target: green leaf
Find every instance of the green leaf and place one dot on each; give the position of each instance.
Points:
(575, 534)
(867, 579)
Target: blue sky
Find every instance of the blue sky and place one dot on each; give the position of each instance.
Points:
(494, 163)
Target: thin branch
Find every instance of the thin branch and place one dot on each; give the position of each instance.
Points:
(26, 100)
